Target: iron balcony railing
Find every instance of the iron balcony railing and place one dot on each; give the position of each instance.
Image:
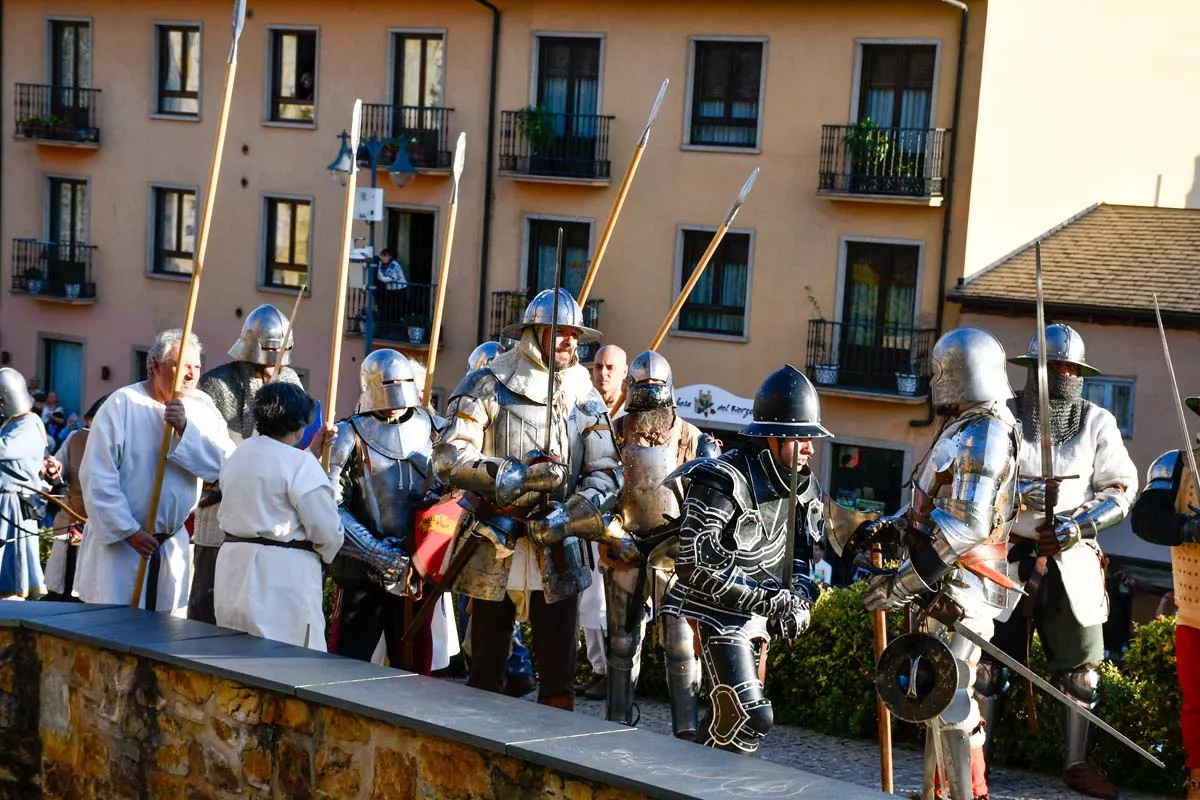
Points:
(53, 269)
(401, 315)
(538, 143)
(509, 307)
(865, 159)
(427, 129)
(56, 113)
(878, 358)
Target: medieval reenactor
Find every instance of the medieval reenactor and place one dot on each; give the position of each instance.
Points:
(963, 506)
(1069, 606)
(654, 441)
(739, 577)
(22, 454)
(233, 387)
(529, 439)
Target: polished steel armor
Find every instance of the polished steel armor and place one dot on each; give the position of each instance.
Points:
(540, 312)
(14, 396)
(649, 384)
(1063, 344)
(262, 338)
(482, 355)
(968, 367)
(387, 382)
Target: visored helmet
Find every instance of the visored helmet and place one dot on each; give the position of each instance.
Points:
(14, 395)
(262, 338)
(388, 382)
(649, 384)
(968, 367)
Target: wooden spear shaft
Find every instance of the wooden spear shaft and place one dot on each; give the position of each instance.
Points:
(460, 155)
(879, 621)
(287, 334)
(619, 203)
(339, 306)
(210, 198)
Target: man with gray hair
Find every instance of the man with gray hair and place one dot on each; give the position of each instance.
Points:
(117, 476)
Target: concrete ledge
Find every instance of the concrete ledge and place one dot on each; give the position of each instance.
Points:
(587, 753)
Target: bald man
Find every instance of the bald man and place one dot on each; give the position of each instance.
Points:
(608, 374)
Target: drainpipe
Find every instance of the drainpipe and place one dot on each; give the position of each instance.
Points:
(948, 197)
(485, 245)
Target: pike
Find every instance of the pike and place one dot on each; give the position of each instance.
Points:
(1183, 428)
(619, 203)
(551, 357)
(460, 156)
(210, 198)
(287, 333)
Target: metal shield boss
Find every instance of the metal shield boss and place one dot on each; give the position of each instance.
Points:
(918, 677)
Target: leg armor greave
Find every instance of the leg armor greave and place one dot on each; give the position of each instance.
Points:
(626, 628)
(991, 691)
(740, 716)
(683, 675)
(956, 758)
(1083, 686)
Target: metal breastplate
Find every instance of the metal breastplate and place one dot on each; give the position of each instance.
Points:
(645, 502)
(519, 427)
(762, 548)
(393, 472)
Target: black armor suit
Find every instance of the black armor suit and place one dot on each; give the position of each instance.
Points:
(233, 387)
(738, 577)
(381, 474)
(653, 441)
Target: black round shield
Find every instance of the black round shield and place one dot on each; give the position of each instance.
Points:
(917, 677)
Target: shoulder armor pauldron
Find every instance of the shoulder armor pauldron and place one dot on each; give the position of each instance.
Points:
(1164, 474)
(478, 383)
(344, 442)
(721, 475)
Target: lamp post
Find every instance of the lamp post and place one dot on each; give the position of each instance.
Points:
(401, 173)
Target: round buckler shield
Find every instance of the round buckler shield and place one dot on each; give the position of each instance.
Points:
(917, 677)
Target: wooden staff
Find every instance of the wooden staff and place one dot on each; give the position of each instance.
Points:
(287, 333)
(879, 622)
(210, 197)
(58, 501)
(339, 306)
(626, 182)
(460, 156)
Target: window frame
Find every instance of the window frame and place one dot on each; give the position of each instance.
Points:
(677, 283)
(50, 46)
(689, 96)
(270, 101)
(48, 202)
(267, 242)
(140, 354)
(1110, 381)
(535, 63)
(527, 241)
(158, 30)
(856, 77)
(395, 36)
(152, 239)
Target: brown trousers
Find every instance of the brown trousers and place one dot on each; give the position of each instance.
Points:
(555, 646)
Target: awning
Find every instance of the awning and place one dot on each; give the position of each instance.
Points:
(707, 406)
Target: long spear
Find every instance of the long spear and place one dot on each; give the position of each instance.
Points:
(287, 333)
(339, 306)
(460, 156)
(626, 182)
(1183, 428)
(210, 198)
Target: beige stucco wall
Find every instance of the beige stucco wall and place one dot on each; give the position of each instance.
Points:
(1081, 102)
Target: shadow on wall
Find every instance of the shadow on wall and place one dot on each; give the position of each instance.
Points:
(1193, 196)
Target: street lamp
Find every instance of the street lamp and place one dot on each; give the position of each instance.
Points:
(401, 173)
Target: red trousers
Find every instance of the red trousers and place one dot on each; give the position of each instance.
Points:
(1187, 665)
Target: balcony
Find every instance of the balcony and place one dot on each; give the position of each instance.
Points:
(899, 165)
(402, 316)
(555, 148)
(509, 307)
(57, 115)
(892, 361)
(57, 272)
(426, 127)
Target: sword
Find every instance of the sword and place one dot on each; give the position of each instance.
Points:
(789, 551)
(1183, 428)
(1044, 396)
(553, 348)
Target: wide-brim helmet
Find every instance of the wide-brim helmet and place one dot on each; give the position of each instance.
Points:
(968, 367)
(540, 311)
(262, 338)
(14, 393)
(1064, 344)
(650, 384)
(387, 382)
(787, 406)
(482, 355)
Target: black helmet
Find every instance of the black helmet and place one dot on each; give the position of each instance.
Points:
(787, 406)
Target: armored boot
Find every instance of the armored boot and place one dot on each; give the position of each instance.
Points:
(1083, 686)
(626, 626)
(991, 691)
(683, 677)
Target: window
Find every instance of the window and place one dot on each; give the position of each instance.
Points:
(178, 70)
(543, 244)
(141, 371)
(287, 235)
(867, 478)
(293, 75)
(70, 54)
(68, 223)
(897, 85)
(419, 59)
(174, 231)
(879, 295)
(718, 303)
(726, 85)
(1115, 394)
(410, 237)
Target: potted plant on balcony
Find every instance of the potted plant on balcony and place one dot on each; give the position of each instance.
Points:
(35, 280)
(71, 274)
(537, 126)
(416, 324)
(867, 147)
(825, 368)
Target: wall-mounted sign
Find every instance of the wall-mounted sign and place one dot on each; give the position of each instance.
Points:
(706, 405)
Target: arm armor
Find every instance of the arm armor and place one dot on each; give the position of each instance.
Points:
(1154, 517)
(601, 477)
(1104, 510)
(384, 556)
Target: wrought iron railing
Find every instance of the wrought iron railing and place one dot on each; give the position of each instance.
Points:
(427, 129)
(401, 315)
(865, 159)
(56, 113)
(883, 358)
(554, 145)
(509, 307)
(53, 269)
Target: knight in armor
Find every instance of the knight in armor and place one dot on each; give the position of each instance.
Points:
(741, 573)
(1070, 605)
(653, 441)
(22, 454)
(380, 467)
(233, 387)
(963, 506)
(1168, 513)
(522, 556)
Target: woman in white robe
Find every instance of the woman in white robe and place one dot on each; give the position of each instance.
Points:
(280, 521)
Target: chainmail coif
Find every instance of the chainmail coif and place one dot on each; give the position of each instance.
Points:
(1068, 409)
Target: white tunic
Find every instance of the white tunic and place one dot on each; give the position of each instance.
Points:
(1097, 455)
(274, 491)
(117, 476)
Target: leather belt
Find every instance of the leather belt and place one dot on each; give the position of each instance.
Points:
(268, 542)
